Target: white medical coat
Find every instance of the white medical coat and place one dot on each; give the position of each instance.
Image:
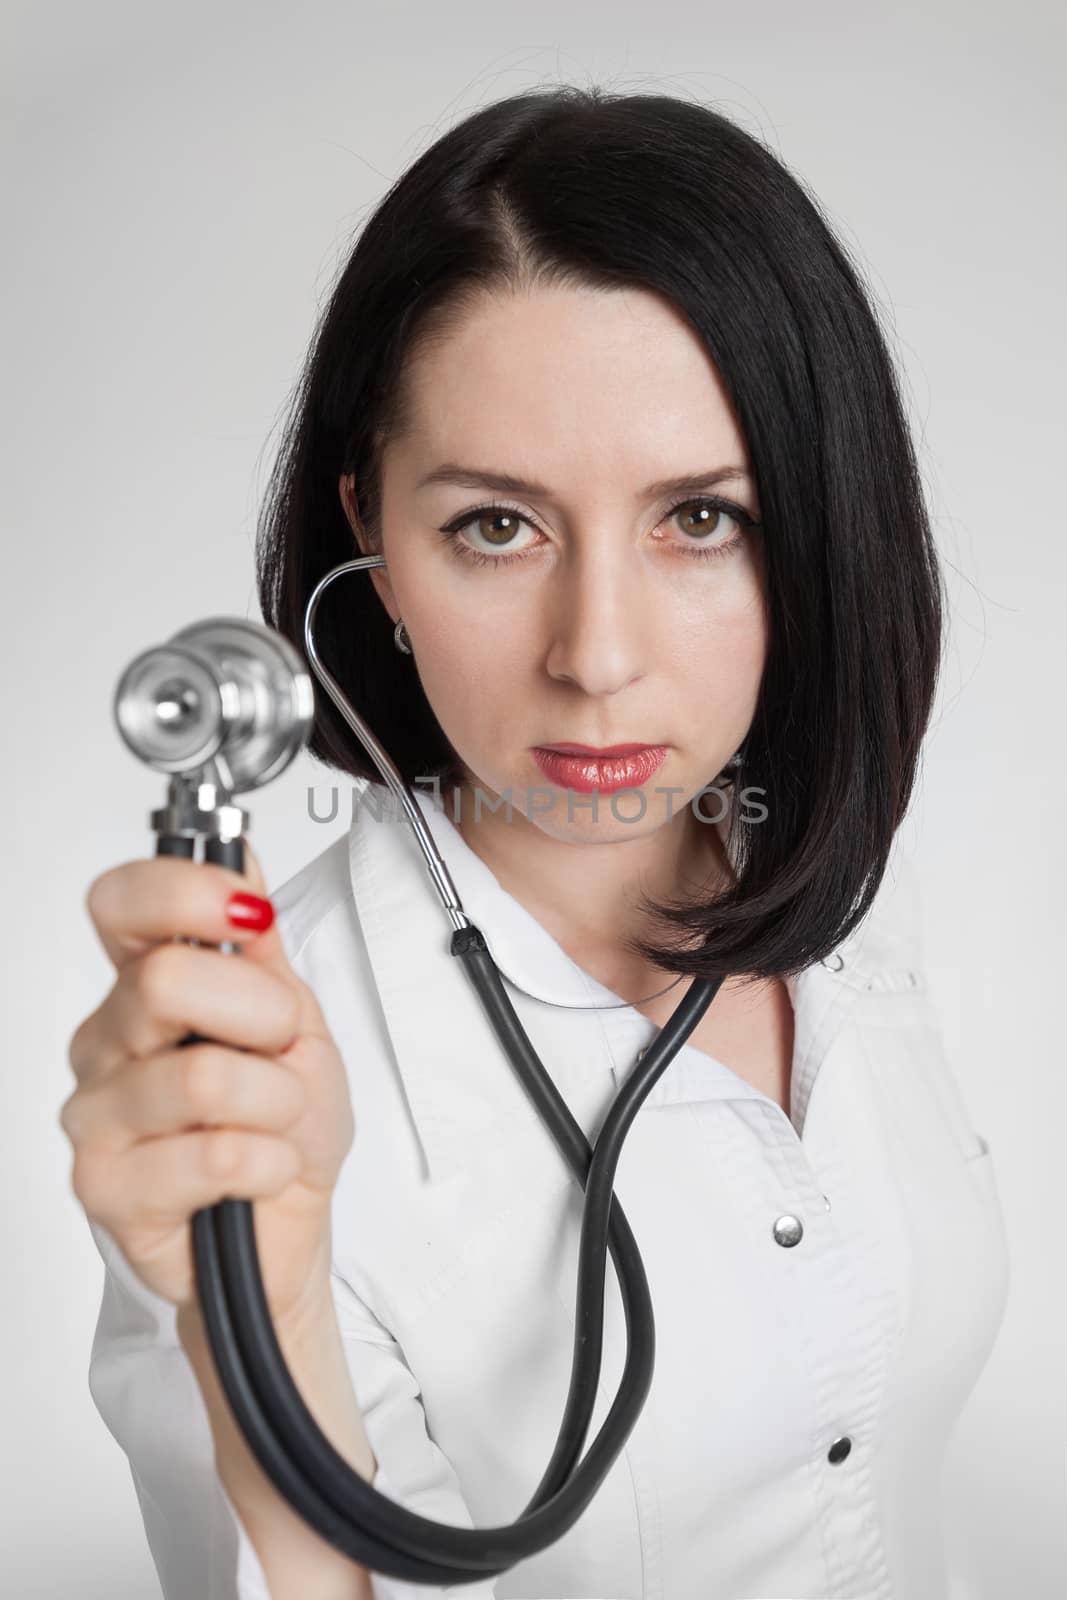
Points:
(455, 1234)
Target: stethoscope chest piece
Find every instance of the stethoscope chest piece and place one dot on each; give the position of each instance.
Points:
(226, 691)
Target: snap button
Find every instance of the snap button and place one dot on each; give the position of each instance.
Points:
(839, 1449)
(788, 1231)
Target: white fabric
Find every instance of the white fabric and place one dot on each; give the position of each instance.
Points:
(455, 1243)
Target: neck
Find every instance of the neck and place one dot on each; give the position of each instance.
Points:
(587, 893)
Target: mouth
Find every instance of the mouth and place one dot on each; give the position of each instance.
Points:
(586, 769)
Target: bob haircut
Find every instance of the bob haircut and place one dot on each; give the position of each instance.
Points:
(581, 187)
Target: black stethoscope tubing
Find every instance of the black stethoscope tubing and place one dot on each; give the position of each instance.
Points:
(312, 1476)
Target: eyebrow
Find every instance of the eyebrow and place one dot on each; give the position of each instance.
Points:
(475, 478)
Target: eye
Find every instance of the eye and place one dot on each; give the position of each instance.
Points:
(709, 543)
(509, 515)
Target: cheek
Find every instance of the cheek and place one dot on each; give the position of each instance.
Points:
(469, 660)
(460, 632)
(722, 643)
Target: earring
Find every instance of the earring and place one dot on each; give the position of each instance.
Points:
(400, 638)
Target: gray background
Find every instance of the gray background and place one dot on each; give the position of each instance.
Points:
(182, 184)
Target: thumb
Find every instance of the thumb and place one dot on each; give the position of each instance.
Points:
(253, 871)
(265, 947)
(268, 950)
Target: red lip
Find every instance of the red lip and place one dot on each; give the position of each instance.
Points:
(587, 771)
(592, 750)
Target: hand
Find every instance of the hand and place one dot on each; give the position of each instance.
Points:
(160, 1130)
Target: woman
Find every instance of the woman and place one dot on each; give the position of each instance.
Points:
(603, 388)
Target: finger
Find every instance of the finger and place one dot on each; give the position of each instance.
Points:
(203, 1085)
(174, 989)
(161, 1182)
(92, 1051)
(139, 904)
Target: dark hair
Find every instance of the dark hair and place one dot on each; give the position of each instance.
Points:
(577, 186)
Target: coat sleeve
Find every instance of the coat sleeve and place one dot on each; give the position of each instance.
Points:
(146, 1392)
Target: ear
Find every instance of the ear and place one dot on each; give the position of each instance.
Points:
(346, 486)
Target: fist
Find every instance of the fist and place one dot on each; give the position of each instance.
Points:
(260, 1112)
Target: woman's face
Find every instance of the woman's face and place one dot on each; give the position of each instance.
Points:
(589, 606)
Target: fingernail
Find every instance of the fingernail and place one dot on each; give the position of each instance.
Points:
(249, 911)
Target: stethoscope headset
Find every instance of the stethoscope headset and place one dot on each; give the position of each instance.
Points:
(224, 707)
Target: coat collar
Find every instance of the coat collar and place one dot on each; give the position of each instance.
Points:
(447, 1054)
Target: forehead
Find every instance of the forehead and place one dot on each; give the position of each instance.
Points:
(557, 378)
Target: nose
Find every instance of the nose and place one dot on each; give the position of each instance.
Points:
(600, 624)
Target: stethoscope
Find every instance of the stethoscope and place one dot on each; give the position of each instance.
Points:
(223, 707)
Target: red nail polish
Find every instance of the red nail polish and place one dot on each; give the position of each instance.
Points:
(249, 911)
